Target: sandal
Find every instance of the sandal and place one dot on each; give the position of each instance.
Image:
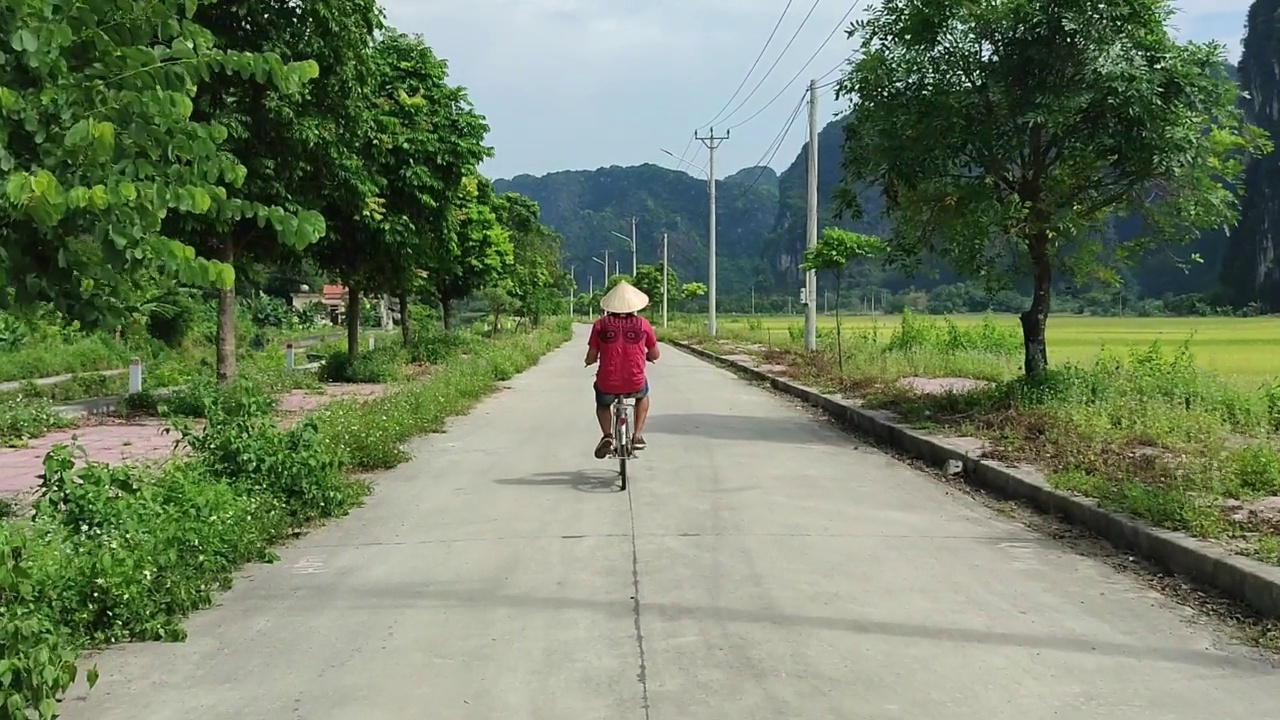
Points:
(604, 446)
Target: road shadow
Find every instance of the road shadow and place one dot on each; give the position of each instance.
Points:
(751, 428)
(590, 481)
(942, 635)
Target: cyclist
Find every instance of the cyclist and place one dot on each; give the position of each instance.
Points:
(621, 341)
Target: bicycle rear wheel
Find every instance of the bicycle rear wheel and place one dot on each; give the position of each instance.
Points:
(622, 433)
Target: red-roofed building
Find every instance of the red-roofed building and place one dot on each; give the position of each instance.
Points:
(333, 296)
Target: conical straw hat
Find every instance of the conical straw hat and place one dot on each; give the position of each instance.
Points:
(624, 298)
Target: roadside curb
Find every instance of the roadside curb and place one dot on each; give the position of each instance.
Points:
(1243, 579)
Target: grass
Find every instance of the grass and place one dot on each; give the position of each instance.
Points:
(1238, 349)
(1132, 413)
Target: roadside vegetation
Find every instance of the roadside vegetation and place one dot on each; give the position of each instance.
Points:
(1013, 173)
(1143, 429)
(161, 202)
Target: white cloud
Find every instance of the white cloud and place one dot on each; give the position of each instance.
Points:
(585, 83)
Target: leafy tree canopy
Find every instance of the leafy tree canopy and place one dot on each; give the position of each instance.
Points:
(1005, 133)
(98, 146)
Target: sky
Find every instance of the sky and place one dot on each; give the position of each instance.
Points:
(583, 84)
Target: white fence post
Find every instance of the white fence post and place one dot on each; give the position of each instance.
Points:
(371, 342)
(135, 376)
(288, 356)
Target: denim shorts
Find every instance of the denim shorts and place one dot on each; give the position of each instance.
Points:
(605, 399)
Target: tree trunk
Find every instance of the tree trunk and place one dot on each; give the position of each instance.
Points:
(353, 321)
(1036, 351)
(406, 333)
(226, 336)
(446, 311)
(497, 317)
(839, 343)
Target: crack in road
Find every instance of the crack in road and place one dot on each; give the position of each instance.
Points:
(642, 675)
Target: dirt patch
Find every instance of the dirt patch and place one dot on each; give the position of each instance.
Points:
(942, 386)
(1262, 514)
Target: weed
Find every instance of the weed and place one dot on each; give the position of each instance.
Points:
(23, 420)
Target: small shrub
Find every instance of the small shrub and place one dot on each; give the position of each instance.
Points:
(24, 419)
(380, 365)
(434, 346)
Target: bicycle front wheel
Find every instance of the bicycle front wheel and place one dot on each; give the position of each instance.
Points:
(622, 471)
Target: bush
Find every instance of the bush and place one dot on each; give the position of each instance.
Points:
(436, 345)
(124, 553)
(380, 365)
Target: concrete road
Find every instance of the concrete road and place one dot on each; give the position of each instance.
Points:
(764, 565)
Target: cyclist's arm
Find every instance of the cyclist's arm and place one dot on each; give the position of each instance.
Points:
(651, 343)
(593, 347)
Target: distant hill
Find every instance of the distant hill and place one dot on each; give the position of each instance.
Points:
(761, 230)
(587, 206)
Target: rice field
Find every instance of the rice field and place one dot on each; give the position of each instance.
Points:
(1245, 350)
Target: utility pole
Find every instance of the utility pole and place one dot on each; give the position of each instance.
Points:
(811, 229)
(574, 282)
(633, 246)
(712, 141)
(664, 279)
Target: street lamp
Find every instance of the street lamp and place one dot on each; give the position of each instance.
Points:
(682, 160)
(604, 264)
(573, 287)
(632, 241)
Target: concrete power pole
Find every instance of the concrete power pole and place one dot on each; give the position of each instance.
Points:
(811, 230)
(633, 247)
(712, 142)
(664, 279)
(573, 281)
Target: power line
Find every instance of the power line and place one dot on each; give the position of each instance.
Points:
(802, 68)
(776, 60)
(827, 74)
(772, 151)
(747, 77)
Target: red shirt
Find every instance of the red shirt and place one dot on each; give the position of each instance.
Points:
(623, 342)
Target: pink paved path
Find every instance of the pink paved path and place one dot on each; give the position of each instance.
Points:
(116, 441)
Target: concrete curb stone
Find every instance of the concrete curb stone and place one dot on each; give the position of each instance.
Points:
(1246, 580)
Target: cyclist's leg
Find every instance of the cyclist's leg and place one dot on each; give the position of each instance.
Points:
(642, 414)
(605, 419)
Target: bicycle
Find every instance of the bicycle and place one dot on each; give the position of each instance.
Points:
(624, 414)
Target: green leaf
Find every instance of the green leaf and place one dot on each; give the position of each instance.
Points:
(78, 134)
(24, 39)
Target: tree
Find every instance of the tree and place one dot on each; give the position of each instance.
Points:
(99, 145)
(287, 140)
(833, 253)
(1005, 133)
(692, 290)
(613, 281)
(473, 252)
(535, 280)
(433, 141)
(649, 281)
